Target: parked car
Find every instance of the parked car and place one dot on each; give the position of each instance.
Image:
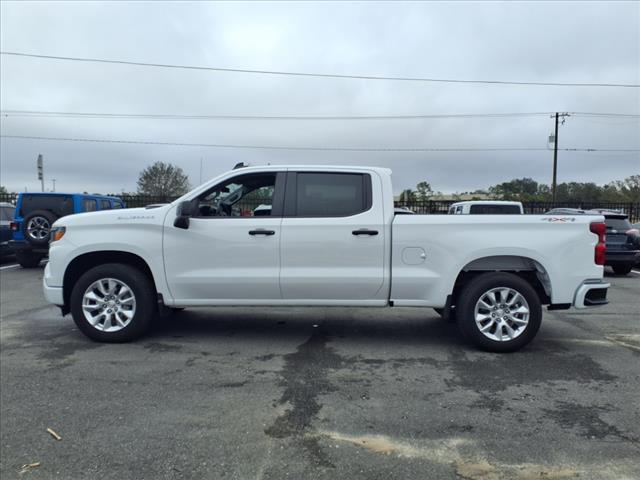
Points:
(486, 207)
(6, 216)
(331, 238)
(36, 212)
(622, 239)
(403, 211)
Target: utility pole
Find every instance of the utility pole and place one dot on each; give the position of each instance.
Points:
(555, 165)
(40, 171)
(555, 157)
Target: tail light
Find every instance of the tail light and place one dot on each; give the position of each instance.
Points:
(14, 226)
(599, 228)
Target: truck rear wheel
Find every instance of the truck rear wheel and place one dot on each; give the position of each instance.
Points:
(113, 303)
(499, 312)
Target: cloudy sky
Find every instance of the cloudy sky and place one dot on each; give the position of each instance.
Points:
(570, 42)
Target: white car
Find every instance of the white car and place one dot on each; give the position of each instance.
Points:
(486, 207)
(331, 237)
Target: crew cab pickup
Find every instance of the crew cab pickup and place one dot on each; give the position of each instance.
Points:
(318, 235)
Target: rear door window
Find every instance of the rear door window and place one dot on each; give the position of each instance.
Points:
(60, 205)
(330, 194)
(89, 205)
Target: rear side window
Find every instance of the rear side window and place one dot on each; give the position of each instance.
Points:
(60, 205)
(494, 209)
(6, 213)
(89, 205)
(619, 224)
(105, 205)
(332, 194)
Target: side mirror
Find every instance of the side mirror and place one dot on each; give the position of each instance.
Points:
(184, 211)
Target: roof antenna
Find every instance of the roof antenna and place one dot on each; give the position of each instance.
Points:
(239, 165)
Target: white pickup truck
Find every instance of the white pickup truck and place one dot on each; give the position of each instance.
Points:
(318, 235)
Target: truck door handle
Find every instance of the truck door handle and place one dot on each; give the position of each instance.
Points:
(262, 231)
(365, 231)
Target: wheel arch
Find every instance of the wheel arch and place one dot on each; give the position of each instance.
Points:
(525, 267)
(86, 261)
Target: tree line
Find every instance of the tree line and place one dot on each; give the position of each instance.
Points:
(528, 190)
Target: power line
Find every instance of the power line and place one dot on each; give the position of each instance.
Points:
(313, 148)
(317, 75)
(58, 114)
(594, 114)
(39, 113)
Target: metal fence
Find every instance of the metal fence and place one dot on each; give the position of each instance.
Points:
(436, 207)
(423, 207)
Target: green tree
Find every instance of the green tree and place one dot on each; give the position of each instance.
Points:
(424, 191)
(408, 195)
(517, 189)
(3, 190)
(163, 179)
(630, 188)
(578, 192)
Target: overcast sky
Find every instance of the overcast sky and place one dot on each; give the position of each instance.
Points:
(528, 41)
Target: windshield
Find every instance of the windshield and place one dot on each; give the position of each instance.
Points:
(494, 209)
(618, 224)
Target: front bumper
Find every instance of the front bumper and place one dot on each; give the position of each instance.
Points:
(51, 294)
(591, 294)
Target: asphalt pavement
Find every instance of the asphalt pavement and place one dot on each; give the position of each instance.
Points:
(327, 393)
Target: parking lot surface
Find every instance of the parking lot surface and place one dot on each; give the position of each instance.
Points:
(255, 393)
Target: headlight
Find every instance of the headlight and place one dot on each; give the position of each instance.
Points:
(57, 233)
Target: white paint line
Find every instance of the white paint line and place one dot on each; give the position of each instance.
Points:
(7, 267)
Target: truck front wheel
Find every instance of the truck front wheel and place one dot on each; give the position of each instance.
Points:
(113, 303)
(499, 312)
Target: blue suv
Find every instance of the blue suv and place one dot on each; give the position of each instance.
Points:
(36, 212)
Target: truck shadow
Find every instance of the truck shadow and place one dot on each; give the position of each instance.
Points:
(401, 325)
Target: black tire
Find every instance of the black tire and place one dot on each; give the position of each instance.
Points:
(145, 301)
(40, 236)
(622, 269)
(473, 292)
(29, 260)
